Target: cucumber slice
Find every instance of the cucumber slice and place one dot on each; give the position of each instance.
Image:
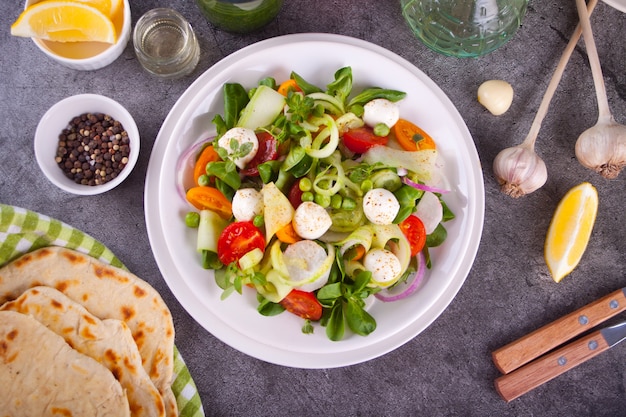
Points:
(209, 229)
(264, 107)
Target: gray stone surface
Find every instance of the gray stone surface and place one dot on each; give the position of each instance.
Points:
(447, 369)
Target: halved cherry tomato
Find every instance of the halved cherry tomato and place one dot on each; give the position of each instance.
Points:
(411, 137)
(209, 198)
(237, 239)
(361, 139)
(290, 84)
(268, 151)
(287, 234)
(415, 232)
(303, 304)
(295, 194)
(207, 155)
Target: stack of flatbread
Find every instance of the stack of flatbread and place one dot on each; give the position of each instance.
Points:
(82, 338)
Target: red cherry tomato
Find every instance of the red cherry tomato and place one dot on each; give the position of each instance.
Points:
(237, 239)
(268, 151)
(414, 231)
(361, 139)
(303, 304)
(295, 194)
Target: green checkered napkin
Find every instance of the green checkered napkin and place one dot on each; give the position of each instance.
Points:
(22, 231)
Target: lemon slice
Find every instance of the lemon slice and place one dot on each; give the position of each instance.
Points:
(570, 230)
(64, 21)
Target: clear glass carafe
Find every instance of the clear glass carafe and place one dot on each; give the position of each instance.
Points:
(464, 28)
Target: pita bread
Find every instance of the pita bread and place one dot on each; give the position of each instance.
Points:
(108, 293)
(108, 341)
(41, 375)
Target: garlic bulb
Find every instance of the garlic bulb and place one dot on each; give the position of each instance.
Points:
(602, 148)
(519, 170)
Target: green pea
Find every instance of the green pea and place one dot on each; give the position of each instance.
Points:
(203, 180)
(335, 201)
(358, 110)
(305, 184)
(192, 219)
(258, 220)
(307, 196)
(367, 185)
(322, 200)
(348, 204)
(381, 129)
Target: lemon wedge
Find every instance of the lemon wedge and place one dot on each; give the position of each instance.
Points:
(64, 21)
(108, 7)
(570, 230)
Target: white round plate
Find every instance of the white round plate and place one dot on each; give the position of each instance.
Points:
(618, 4)
(235, 320)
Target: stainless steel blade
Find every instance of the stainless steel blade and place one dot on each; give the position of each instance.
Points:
(614, 334)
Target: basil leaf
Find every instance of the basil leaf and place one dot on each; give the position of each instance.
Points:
(329, 293)
(359, 320)
(268, 82)
(372, 93)
(335, 327)
(407, 196)
(342, 86)
(306, 87)
(360, 281)
(221, 278)
(307, 327)
(238, 284)
(220, 124)
(235, 99)
(437, 237)
(265, 172)
(267, 308)
(447, 213)
(219, 169)
(225, 189)
(211, 261)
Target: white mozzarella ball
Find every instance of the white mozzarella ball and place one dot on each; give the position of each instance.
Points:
(380, 206)
(383, 264)
(242, 135)
(311, 220)
(247, 203)
(381, 110)
(303, 260)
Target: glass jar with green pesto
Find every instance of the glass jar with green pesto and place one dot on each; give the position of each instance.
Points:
(240, 16)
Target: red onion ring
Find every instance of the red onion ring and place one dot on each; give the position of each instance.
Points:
(185, 165)
(404, 289)
(424, 187)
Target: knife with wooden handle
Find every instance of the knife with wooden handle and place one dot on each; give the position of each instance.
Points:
(544, 369)
(535, 344)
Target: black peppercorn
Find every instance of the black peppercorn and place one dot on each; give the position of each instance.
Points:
(88, 146)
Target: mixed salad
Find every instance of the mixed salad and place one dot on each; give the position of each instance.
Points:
(317, 199)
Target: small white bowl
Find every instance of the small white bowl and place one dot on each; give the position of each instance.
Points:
(58, 118)
(88, 56)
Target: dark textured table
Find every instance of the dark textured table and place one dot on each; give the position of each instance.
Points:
(447, 369)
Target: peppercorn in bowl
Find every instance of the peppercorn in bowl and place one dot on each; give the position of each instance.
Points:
(87, 144)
